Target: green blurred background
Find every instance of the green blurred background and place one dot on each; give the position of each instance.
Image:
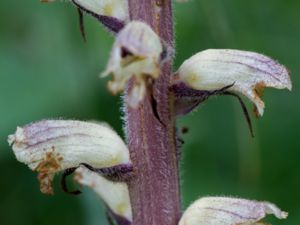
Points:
(47, 71)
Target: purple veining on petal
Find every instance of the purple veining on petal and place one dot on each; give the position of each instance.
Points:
(45, 125)
(40, 142)
(265, 64)
(231, 213)
(47, 130)
(249, 66)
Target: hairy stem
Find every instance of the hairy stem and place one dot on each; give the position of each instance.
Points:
(154, 191)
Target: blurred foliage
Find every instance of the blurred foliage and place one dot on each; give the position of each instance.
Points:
(47, 71)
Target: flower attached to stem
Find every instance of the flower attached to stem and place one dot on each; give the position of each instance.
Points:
(136, 55)
(250, 73)
(51, 146)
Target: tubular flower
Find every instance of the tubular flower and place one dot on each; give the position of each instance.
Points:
(229, 211)
(50, 146)
(135, 54)
(249, 73)
(114, 194)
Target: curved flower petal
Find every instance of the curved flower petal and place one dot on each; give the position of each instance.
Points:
(249, 72)
(228, 211)
(135, 54)
(50, 146)
(111, 8)
(114, 194)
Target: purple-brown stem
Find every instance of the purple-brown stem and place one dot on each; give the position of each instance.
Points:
(154, 190)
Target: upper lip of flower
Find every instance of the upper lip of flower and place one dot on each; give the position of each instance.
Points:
(228, 211)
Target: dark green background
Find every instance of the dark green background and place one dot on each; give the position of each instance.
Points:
(47, 71)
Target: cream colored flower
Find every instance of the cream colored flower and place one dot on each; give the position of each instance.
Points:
(50, 146)
(112, 8)
(135, 54)
(114, 194)
(228, 211)
(249, 72)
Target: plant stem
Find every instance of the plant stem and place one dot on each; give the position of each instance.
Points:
(154, 190)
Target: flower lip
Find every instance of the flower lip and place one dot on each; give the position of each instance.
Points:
(251, 72)
(114, 194)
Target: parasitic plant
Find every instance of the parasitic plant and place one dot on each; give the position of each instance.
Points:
(139, 180)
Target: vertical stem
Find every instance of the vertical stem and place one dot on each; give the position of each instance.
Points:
(154, 191)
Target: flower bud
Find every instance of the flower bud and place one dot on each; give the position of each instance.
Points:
(135, 54)
(249, 72)
(114, 194)
(228, 211)
(50, 146)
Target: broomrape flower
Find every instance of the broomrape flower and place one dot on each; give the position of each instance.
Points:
(135, 54)
(51, 146)
(248, 72)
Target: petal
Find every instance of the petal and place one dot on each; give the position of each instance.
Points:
(228, 211)
(111, 8)
(136, 53)
(51, 146)
(114, 194)
(250, 72)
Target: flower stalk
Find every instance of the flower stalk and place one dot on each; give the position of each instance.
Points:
(154, 191)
